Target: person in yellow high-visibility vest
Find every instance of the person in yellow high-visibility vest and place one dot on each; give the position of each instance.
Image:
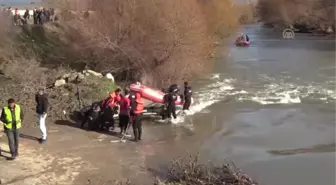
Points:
(12, 116)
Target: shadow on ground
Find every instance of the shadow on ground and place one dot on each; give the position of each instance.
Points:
(33, 138)
(77, 125)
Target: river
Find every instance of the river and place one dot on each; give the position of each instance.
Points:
(270, 108)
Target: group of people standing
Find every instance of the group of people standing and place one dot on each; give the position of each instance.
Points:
(40, 15)
(129, 106)
(171, 96)
(12, 117)
(43, 15)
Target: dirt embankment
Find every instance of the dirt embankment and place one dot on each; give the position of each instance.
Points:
(305, 16)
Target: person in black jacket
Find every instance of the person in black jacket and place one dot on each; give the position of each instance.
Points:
(91, 115)
(187, 96)
(35, 15)
(26, 16)
(171, 98)
(41, 110)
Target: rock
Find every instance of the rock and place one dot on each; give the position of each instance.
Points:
(330, 30)
(65, 76)
(59, 82)
(80, 76)
(85, 73)
(109, 76)
(94, 73)
(72, 77)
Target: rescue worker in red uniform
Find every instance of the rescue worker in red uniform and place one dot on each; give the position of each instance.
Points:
(124, 114)
(137, 112)
(108, 106)
(117, 97)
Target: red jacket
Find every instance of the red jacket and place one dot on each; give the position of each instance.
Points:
(140, 104)
(125, 105)
(117, 98)
(109, 101)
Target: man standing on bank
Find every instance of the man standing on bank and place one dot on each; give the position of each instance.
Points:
(12, 117)
(41, 111)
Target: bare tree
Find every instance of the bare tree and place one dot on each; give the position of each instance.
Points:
(158, 42)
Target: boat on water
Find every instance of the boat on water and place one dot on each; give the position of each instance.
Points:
(242, 43)
(243, 40)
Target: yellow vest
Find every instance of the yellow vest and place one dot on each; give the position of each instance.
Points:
(9, 119)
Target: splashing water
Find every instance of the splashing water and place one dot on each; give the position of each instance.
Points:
(209, 95)
(273, 93)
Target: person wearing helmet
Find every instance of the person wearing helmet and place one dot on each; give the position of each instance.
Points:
(108, 107)
(124, 114)
(244, 37)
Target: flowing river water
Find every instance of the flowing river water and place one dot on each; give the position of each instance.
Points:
(270, 108)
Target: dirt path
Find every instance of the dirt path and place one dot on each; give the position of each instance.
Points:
(73, 156)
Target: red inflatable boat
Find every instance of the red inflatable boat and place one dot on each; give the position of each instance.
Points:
(152, 94)
(242, 43)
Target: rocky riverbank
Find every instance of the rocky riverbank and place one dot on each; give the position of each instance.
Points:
(315, 17)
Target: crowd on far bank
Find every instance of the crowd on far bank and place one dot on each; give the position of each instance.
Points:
(39, 16)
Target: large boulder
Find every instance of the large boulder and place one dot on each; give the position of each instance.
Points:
(91, 72)
(80, 76)
(65, 76)
(329, 30)
(72, 77)
(59, 82)
(109, 76)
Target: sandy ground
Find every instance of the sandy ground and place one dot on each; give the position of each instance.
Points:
(73, 156)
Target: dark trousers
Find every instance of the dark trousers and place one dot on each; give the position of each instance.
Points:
(13, 141)
(137, 127)
(123, 122)
(186, 105)
(108, 120)
(93, 123)
(171, 111)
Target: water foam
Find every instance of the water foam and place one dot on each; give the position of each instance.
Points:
(287, 93)
(209, 95)
(272, 93)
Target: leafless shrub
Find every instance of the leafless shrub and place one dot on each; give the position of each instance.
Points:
(190, 171)
(157, 42)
